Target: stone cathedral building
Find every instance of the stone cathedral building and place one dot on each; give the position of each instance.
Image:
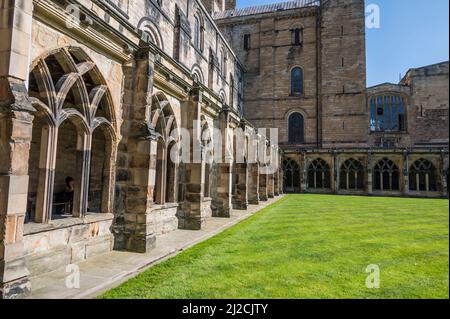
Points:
(94, 95)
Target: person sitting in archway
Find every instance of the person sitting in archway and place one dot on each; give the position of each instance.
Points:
(68, 194)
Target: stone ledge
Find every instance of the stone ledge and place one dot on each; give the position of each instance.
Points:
(35, 228)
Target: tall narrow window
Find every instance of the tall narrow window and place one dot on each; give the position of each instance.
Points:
(296, 81)
(197, 32)
(297, 36)
(247, 44)
(199, 29)
(231, 103)
(296, 128)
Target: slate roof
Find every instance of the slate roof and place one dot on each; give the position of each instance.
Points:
(288, 5)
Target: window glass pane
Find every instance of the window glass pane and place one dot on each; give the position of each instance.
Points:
(387, 112)
(373, 115)
(297, 80)
(296, 128)
(402, 116)
(197, 33)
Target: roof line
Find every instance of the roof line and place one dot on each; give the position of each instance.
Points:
(267, 8)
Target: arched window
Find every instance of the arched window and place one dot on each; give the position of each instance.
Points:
(387, 113)
(73, 140)
(291, 176)
(296, 81)
(163, 121)
(297, 36)
(319, 176)
(351, 175)
(296, 128)
(387, 176)
(422, 176)
(199, 29)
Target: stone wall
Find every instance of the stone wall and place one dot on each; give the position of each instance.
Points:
(49, 247)
(428, 112)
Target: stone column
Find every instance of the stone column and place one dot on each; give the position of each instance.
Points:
(253, 184)
(83, 159)
(369, 185)
(280, 174)
(240, 199)
(190, 214)
(334, 173)
(276, 190)
(240, 169)
(270, 185)
(253, 170)
(304, 182)
(405, 173)
(15, 137)
(136, 158)
(221, 203)
(443, 173)
(263, 180)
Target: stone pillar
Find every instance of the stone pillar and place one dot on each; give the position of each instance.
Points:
(369, 185)
(253, 184)
(240, 169)
(190, 214)
(136, 158)
(263, 193)
(240, 198)
(405, 173)
(304, 182)
(334, 173)
(221, 203)
(280, 174)
(270, 186)
(443, 173)
(15, 137)
(253, 170)
(276, 190)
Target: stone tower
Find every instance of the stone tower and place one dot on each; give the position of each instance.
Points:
(219, 5)
(230, 4)
(342, 70)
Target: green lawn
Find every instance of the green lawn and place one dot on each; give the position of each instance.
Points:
(313, 246)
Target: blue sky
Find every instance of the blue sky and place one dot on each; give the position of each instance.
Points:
(413, 33)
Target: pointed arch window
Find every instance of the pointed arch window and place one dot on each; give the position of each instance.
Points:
(199, 32)
(73, 143)
(297, 36)
(423, 176)
(351, 175)
(291, 176)
(387, 176)
(297, 81)
(319, 176)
